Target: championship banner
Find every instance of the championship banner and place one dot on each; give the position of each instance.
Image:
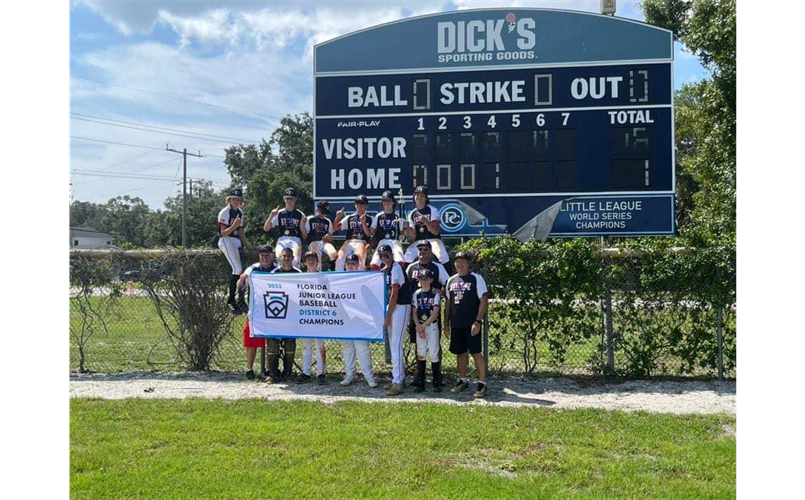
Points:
(340, 305)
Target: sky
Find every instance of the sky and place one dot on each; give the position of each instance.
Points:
(207, 75)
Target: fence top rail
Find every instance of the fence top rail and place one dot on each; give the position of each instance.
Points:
(151, 253)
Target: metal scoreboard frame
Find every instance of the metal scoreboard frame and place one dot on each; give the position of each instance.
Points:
(503, 113)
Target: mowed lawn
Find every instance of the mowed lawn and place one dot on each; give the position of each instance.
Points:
(200, 449)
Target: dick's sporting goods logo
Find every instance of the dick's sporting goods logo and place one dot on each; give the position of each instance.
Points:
(276, 305)
(508, 38)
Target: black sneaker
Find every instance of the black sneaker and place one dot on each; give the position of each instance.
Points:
(437, 387)
(481, 391)
(233, 307)
(322, 379)
(418, 387)
(250, 374)
(302, 378)
(461, 386)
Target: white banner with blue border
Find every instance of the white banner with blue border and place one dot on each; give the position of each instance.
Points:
(339, 305)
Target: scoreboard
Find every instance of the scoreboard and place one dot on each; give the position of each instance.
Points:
(504, 112)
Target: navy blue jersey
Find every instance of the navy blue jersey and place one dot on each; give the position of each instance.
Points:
(352, 225)
(425, 302)
(388, 226)
(317, 228)
(421, 230)
(289, 223)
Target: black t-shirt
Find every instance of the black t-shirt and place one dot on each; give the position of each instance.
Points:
(415, 269)
(464, 294)
(288, 223)
(318, 227)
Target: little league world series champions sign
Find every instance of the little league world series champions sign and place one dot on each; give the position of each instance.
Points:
(503, 113)
(344, 306)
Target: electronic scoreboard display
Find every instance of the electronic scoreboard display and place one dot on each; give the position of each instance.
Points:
(505, 112)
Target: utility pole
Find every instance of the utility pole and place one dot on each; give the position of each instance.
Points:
(184, 154)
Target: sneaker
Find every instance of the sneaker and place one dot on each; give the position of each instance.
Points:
(347, 380)
(271, 380)
(233, 307)
(387, 386)
(372, 383)
(242, 306)
(395, 390)
(437, 388)
(250, 375)
(461, 386)
(419, 387)
(302, 378)
(481, 391)
(322, 379)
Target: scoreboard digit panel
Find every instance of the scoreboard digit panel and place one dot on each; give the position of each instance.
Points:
(484, 123)
(483, 154)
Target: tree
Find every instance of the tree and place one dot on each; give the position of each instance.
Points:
(85, 213)
(706, 116)
(124, 218)
(286, 160)
(165, 227)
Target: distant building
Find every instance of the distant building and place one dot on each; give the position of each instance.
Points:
(89, 237)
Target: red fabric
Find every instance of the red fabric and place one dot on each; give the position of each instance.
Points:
(249, 341)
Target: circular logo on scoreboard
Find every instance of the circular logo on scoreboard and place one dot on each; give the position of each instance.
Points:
(453, 218)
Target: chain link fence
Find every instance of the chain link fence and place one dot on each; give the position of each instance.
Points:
(633, 314)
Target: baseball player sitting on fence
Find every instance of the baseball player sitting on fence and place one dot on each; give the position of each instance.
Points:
(424, 225)
(387, 230)
(320, 233)
(290, 224)
(231, 239)
(359, 229)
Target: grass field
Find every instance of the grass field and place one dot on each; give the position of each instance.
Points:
(199, 449)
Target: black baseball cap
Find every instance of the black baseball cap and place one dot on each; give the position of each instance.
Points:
(384, 249)
(236, 193)
(388, 195)
(324, 206)
(290, 192)
(311, 255)
(426, 273)
(353, 257)
(423, 243)
(462, 255)
(421, 189)
(362, 199)
(265, 249)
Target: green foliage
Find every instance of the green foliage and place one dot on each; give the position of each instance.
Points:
(664, 302)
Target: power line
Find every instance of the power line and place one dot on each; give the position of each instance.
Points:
(165, 128)
(111, 142)
(142, 129)
(129, 191)
(124, 175)
(132, 172)
(179, 99)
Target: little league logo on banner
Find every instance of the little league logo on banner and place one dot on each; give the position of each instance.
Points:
(343, 306)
